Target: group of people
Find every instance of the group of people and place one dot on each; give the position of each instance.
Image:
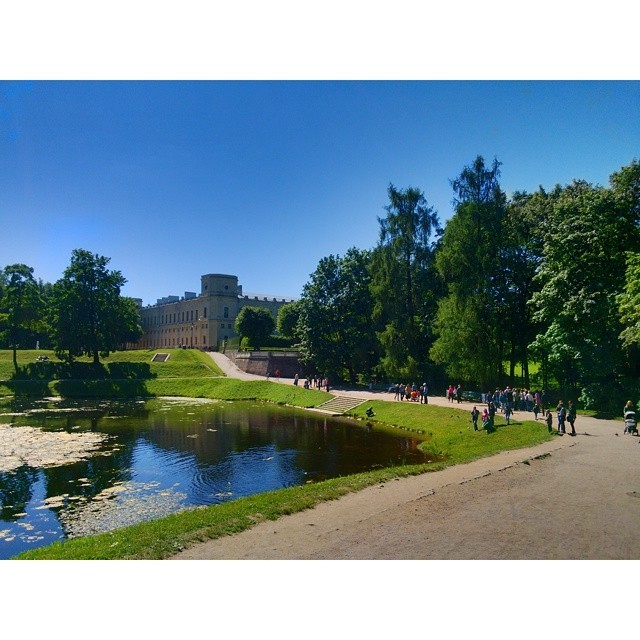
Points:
(411, 392)
(454, 393)
(310, 382)
(564, 415)
(507, 401)
(316, 382)
(519, 400)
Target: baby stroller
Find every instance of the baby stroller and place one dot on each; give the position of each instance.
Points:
(630, 422)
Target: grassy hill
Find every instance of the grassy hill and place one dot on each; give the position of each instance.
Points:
(126, 374)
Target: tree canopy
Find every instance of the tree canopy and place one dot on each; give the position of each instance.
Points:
(20, 305)
(334, 329)
(469, 341)
(580, 277)
(89, 316)
(255, 324)
(404, 283)
(287, 319)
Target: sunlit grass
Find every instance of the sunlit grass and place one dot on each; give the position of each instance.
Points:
(181, 363)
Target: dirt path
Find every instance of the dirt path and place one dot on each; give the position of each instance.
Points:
(572, 498)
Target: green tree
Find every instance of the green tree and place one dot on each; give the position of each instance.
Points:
(287, 320)
(334, 328)
(21, 304)
(520, 253)
(625, 184)
(127, 325)
(256, 324)
(404, 284)
(468, 260)
(629, 302)
(89, 315)
(586, 239)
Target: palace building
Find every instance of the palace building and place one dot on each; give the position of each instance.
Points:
(201, 321)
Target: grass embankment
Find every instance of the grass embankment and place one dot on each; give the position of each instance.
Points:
(127, 365)
(126, 374)
(443, 432)
(447, 433)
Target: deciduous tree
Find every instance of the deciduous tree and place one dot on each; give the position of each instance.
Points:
(334, 330)
(256, 324)
(89, 315)
(287, 320)
(582, 274)
(21, 304)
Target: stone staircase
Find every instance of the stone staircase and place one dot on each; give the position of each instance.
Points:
(340, 404)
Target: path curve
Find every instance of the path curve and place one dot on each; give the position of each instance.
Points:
(571, 498)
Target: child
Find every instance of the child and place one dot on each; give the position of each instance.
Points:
(549, 419)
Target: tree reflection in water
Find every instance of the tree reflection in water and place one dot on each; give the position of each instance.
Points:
(164, 455)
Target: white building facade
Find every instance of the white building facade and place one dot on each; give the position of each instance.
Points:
(201, 321)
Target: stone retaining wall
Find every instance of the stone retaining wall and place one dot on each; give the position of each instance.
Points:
(262, 362)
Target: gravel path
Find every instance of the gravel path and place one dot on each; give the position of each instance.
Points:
(571, 498)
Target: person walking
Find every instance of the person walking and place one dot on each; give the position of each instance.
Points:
(492, 414)
(507, 414)
(630, 420)
(474, 418)
(571, 417)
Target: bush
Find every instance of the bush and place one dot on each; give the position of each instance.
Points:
(273, 343)
(610, 398)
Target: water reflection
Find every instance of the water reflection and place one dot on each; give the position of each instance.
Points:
(159, 456)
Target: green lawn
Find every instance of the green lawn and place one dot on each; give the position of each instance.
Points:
(120, 364)
(448, 434)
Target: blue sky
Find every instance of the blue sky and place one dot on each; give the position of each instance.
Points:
(172, 180)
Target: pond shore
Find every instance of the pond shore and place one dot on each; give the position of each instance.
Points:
(572, 498)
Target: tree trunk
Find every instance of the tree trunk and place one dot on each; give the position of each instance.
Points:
(525, 367)
(96, 357)
(512, 364)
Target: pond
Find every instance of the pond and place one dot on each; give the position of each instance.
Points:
(72, 468)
